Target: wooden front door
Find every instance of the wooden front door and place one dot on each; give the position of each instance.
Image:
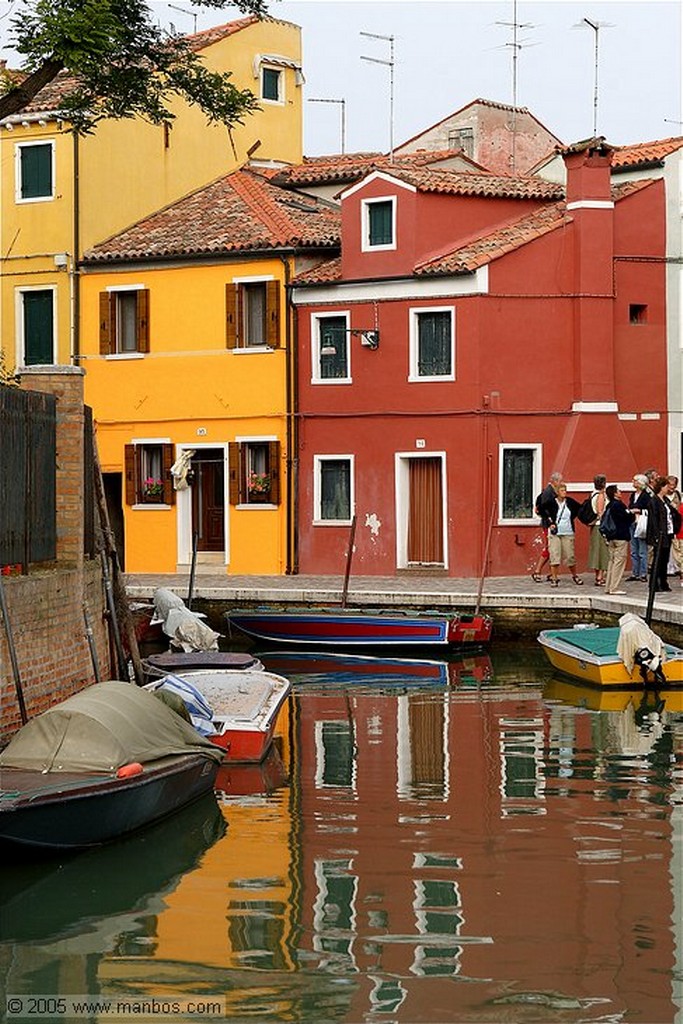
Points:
(425, 512)
(208, 500)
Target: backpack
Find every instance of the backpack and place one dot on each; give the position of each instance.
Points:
(607, 527)
(586, 513)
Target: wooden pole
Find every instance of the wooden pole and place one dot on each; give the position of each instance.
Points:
(13, 656)
(193, 569)
(349, 556)
(486, 559)
(120, 609)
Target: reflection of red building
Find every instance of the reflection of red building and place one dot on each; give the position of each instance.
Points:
(475, 840)
(477, 333)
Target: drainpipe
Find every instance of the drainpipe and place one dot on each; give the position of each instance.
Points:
(292, 427)
(75, 282)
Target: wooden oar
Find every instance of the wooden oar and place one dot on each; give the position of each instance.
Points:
(486, 559)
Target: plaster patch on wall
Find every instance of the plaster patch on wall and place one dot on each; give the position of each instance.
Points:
(373, 523)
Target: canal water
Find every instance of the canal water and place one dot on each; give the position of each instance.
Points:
(467, 841)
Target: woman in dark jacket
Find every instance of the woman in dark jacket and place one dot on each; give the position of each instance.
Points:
(659, 533)
(617, 546)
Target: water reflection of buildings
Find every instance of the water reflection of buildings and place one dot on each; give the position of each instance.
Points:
(439, 844)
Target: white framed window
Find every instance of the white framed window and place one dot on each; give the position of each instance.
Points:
(378, 224)
(519, 481)
(124, 320)
(34, 164)
(330, 348)
(272, 84)
(36, 320)
(252, 306)
(333, 489)
(432, 343)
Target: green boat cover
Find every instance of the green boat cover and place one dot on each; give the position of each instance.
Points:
(602, 642)
(101, 729)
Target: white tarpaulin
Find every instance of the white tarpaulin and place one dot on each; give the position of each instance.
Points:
(185, 629)
(635, 635)
(180, 469)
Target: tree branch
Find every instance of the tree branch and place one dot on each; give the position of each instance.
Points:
(21, 95)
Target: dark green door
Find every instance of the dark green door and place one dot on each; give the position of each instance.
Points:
(38, 328)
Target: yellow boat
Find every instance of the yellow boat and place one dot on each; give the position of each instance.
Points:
(612, 698)
(589, 654)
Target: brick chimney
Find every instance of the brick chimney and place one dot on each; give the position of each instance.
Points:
(590, 210)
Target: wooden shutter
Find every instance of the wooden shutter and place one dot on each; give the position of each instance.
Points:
(274, 471)
(130, 474)
(273, 313)
(142, 320)
(167, 461)
(106, 323)
(234, 473)
(231, 315)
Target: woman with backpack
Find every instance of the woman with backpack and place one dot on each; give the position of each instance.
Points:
(616, 527)
(598, 555)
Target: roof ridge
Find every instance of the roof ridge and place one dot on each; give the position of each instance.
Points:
(270, 216)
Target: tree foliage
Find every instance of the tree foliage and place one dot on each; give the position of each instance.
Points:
(119, 63)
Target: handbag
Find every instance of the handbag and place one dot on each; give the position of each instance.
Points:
(640, 531)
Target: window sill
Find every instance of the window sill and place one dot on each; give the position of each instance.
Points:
(519, 522)
(255, 506)
(22, 200)
(332, 522)
(435, 379)
(146, 506)
(248, 350)
(125, 355)
(331, 380)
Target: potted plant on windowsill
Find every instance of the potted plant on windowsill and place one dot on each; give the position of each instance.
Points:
(258, 486)
(152, 489)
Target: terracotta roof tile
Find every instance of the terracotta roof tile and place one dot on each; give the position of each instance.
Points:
(645, 152)
(200, 40)
(344, 168)
(470, 183)
(240, 212)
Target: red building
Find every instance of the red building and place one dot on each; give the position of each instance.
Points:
(477, 333)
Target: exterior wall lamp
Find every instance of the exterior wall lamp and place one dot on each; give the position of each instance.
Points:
(369, 339)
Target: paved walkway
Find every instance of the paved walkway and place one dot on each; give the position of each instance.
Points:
(417, 592)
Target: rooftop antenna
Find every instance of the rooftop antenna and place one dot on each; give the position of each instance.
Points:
(516, 45)
(190, 14)
(390, 64)
(596, 26)
(342, 104)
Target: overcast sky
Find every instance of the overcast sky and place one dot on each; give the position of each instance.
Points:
(452, 51)
(449, 52)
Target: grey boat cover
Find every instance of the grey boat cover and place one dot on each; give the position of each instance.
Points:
(102, 728)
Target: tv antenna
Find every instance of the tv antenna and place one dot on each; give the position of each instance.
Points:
(390, 64)
(595, 26)
(516, 45)
(190, 14)
(342, 104)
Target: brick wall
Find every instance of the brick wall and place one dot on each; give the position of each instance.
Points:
(47, 620)
(46, 607)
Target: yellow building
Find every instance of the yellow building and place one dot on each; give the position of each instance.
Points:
(61, 194)
(187, 342)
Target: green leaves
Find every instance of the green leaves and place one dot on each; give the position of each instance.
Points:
(123, 64)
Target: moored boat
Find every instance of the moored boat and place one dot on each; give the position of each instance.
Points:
(99, 765)
(236, 710)
(188, 661)
(591, 654)
(335, 627)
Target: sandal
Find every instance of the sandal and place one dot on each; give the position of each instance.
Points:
(536, 578)
(554, 583)
(578, 581)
